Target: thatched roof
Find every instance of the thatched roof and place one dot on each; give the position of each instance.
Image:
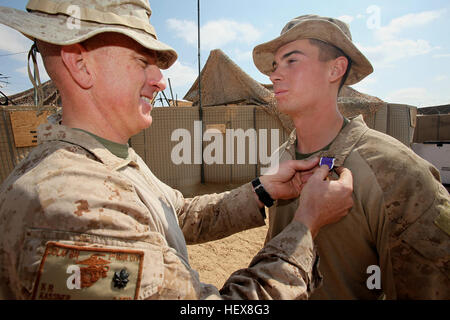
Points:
(51, 96)
(224, 82)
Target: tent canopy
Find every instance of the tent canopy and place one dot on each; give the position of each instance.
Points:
(51, 96)
(224, 82)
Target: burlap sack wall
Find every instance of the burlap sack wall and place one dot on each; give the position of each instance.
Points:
(432, 128)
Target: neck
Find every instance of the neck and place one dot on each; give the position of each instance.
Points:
(317, 128)
(80, 113)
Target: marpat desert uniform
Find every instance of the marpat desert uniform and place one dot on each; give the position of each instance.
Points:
(77, 222)
(400, 220)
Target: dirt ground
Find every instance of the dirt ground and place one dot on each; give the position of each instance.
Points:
(215, 261)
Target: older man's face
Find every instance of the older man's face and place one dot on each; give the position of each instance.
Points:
(125, 80)
(299, 78)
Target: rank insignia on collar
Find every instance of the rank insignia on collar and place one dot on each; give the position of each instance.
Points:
(120, 279)
(327, 161)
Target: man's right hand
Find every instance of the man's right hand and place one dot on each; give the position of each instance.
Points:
(323, 201)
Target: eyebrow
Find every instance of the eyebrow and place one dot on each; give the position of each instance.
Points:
(286, 55)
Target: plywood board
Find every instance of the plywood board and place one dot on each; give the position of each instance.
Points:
(24, 124)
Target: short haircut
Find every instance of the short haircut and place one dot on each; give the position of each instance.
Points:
(329, 52)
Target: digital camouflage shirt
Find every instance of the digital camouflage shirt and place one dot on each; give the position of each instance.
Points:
(400, 221)
(77, 222)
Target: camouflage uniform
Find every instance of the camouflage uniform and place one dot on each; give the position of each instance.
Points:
(400, 221)
(78, 222)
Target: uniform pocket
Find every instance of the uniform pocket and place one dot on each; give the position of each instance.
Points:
(56, 265)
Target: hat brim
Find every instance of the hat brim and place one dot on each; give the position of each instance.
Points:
(264, 54)
(55, 29)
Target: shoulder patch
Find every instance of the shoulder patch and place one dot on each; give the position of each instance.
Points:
(70, 272)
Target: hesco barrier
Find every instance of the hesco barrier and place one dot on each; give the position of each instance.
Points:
(166, 121)
(155, 144)
(393, 119)
(432, 128)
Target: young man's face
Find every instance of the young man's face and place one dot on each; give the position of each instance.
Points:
(299, 78)
(126, 78)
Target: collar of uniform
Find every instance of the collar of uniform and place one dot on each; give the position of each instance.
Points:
(346, 140)
(55, 132)
(342, 145)
(290, 143)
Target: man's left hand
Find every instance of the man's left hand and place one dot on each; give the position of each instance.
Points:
(286, 182)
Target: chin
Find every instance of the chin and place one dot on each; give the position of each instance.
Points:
(146, 122)
(285, 109)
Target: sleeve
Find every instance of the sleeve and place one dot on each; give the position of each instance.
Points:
(215, 216)
(286, 268)
(64, 265)
(422, 260)
(90, 238)
(415, 215)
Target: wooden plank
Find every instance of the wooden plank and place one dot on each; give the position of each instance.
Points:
(219, 127)
(24, 124)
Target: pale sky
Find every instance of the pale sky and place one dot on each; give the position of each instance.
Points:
(407, 41)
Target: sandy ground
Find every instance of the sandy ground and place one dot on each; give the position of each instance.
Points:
(216, 260)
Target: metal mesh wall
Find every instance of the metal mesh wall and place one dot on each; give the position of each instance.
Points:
(432, 128)
(155, 147)
(235, 118)
(401, 122)
(6, 145)
(264, 120)
(154, 144)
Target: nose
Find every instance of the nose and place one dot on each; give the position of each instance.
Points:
(155, 78)
(275, 75)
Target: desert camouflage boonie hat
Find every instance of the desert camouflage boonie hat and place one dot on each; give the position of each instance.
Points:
(64, 22)
(329, 30)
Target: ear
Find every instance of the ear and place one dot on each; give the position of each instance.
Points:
(338, 67)
(74, 57)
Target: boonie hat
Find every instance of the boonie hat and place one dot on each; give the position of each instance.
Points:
(329, 30)
(65, 22)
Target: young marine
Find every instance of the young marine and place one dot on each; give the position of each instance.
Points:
(401, 214)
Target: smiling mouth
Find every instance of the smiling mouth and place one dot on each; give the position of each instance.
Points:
(147, 99)
(147, 103)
